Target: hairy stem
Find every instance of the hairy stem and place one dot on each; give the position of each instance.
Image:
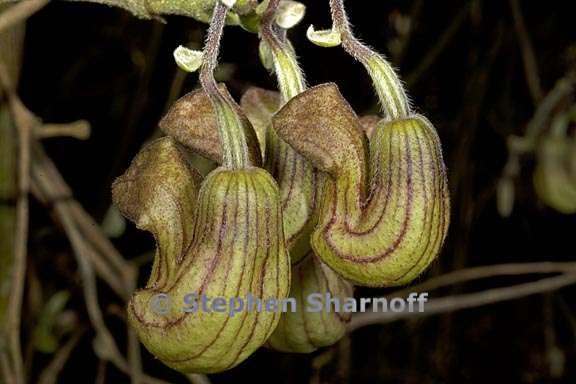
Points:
(232, 136)
(290, 78)
(389, 87)
(297, 179)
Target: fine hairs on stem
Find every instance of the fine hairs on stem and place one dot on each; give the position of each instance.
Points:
(232, 137)
(393, 97)
(290, 79)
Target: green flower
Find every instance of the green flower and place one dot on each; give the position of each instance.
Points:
(385, 207)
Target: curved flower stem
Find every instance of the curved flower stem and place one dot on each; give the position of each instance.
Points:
(232, 136)
(299, 182)
(290, 78)
(395, 102)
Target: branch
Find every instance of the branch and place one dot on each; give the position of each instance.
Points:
(477, 273)
(18, 13)
(528, 57)
(490, 296)
(443, 41)
(109, 264)
(24, 122)
(196, 378)
(105, 344)
(200, 10)
(50, 374)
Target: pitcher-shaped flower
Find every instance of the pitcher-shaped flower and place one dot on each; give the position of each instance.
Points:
(229, 244)
(385, 209)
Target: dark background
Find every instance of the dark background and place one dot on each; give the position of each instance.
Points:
(85, 61)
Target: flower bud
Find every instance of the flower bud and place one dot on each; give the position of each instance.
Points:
(381, 221)
(290, 13)
(324, 38)
(306, 330)
(189, 60)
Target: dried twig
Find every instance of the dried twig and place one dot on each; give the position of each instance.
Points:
(134, 356)
(107, 262)
(18, 13)
(50, 374)
(110, 255)
(528, 57)
(476, 273)
(196, 378)
(25, 122)
(7, 374)
(432, 55)
(101, 372)
(414, 17)
(10, 257)
(561, 90)
(82, 253)
(105, 344)
(91, 248)
(457, 302)
(517, 146)
(319, 362)
(78, 129)
(567, 312)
